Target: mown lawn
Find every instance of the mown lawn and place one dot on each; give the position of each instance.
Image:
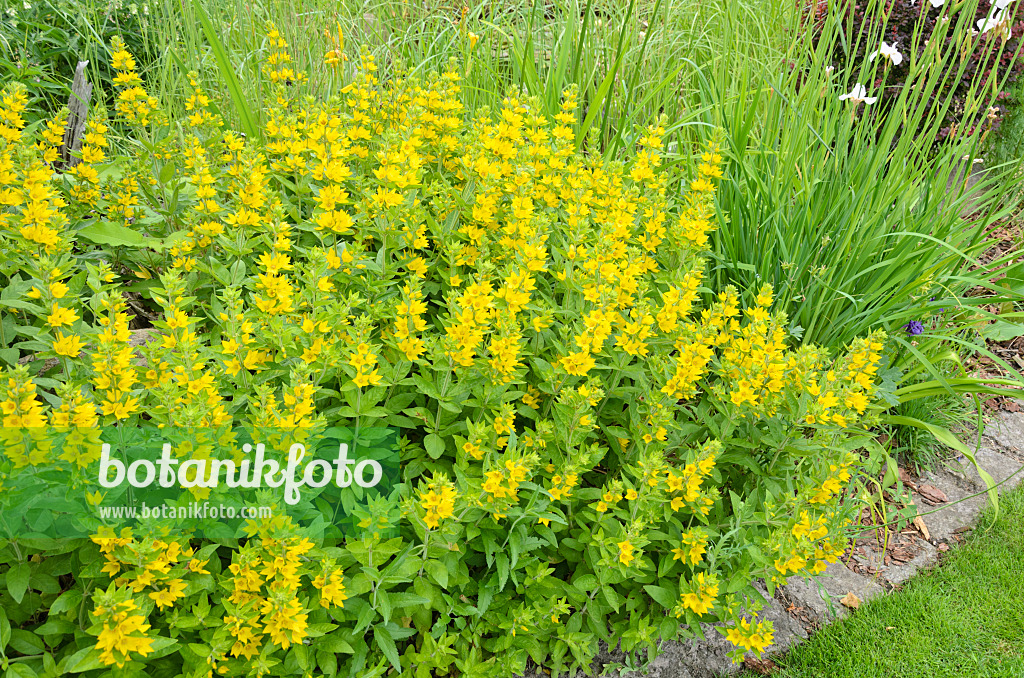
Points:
(964, 619)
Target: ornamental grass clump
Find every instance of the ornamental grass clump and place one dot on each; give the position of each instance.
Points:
(588, 453)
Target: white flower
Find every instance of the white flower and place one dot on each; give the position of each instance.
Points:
(858, 95)
(889, 52)
(937, 3)
(997, 19)
(1002, 4)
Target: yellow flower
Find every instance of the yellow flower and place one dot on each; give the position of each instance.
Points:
(69, 345)
(626, 552)
(166, 597)
(59, 317)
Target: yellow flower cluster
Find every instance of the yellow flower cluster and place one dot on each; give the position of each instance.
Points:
(756, 637)
(12, 104)
(699, 595)
(122, 632)
(265, 583)
(501, 486)
(332, 589)
(692, 545)
(198, 105)
(133, 103)
(20, 406)
(685, 488)
(437, 499)
(278, 63)
(626, 552)
(41, 220)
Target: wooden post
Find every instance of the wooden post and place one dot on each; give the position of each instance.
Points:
(78, 110)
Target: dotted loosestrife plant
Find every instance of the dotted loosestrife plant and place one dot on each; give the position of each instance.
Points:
(589, 454)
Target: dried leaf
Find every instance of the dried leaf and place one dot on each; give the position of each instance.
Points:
(851, 601)
(901, 556)
(919, 524)
(932, 494)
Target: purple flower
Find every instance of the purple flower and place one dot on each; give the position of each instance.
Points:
(914, 327)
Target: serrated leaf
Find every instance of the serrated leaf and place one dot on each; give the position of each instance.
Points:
(386, 643)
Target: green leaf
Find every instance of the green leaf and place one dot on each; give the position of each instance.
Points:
(387, 645)
(161, 647)
(335, 644)
(21, 305)
(1002, 331)
(434, 445)
(611, 597)
(17, 581)
(86, 659)
(301, 654)
(167, 172)
(20, 671)
(484, 600)
(5, 629)
(664, 597)
(26, 642)
(69, 600)
(438, 572)
(55, 627)
(399, 600)
(107, 233)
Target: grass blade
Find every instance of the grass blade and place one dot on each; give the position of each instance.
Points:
(227, 73)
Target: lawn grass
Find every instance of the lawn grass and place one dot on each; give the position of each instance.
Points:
(962, 619)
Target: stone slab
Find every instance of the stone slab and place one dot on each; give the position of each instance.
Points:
(899, 574)
(959, 481)
(820, 596)
(1002, 467)
(1007, 429)
(944, 520)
